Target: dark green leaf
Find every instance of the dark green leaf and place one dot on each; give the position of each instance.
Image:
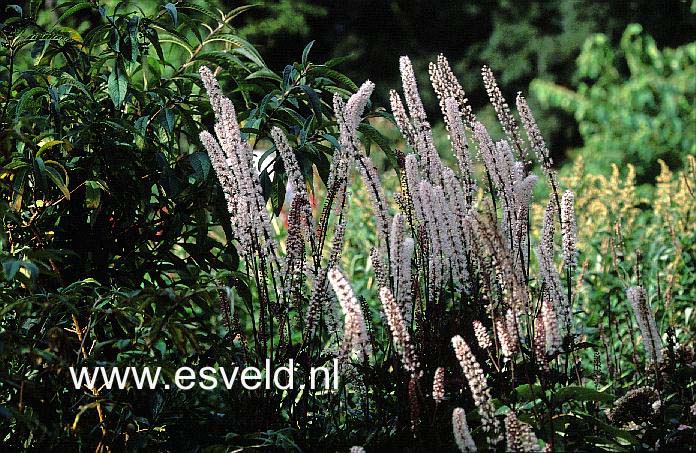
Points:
(15, 8)
(167, 119)
(133, 24)
(336, 76)
(338, 60)
(287, 74)
(38, 48)
(57, 179)
(264, 74)
(12, 266)
(314, 101)
(576, 393)
(115, 40)
(526, 393)
(153, 37)
(18, 188)
(93, 190)
(305, 52)
(373, 134)
(74, 9)
(40, 172)
(118, 84)
(171, 9)
(202, 11)
(615, 432)
(200, 164)
(26, 97)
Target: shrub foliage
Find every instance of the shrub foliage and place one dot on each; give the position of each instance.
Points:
(632, 104)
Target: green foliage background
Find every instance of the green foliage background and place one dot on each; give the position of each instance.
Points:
(632, 105)
(111, 211)
(520, 40)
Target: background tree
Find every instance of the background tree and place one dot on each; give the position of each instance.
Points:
(633, 104)
(520, 40)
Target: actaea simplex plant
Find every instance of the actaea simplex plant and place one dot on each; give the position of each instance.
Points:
(472, 306)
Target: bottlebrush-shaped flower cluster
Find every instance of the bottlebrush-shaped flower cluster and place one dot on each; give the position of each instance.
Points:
(460, 292)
